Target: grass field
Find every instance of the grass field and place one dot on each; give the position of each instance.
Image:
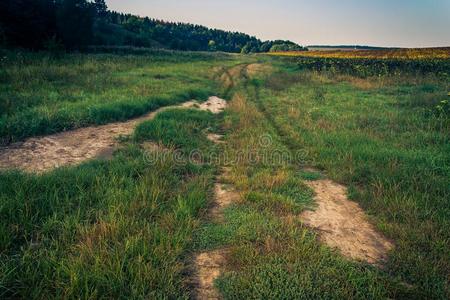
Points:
(388, 139)
(127, 227)
(41, 94)
(117, 229)
(271, 254)
(419, 53)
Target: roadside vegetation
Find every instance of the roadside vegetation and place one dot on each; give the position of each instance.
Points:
(387, 138)
(116, 228)
(270, 254)
(42, 94)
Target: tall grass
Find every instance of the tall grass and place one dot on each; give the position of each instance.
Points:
(179, 128)
(389, 142)
(125, 228)
(106, 229)
(270, 255)
(41, 94)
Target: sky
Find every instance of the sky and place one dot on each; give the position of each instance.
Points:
(387, 23)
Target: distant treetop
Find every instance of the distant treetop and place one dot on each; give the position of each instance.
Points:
(74, 24)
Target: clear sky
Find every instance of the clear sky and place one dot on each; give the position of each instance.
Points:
(402, 23)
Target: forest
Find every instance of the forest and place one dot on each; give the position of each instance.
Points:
(77, 24)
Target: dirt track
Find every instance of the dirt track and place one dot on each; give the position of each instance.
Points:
(208, 266)
(42, 154)
(342, 224)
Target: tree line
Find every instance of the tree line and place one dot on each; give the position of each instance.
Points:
(75, 24)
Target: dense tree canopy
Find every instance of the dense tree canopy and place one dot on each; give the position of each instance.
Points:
(40, 24)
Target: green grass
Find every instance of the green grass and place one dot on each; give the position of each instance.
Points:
(127, 227)
(310, 175)
(292, 265)
(386, 139)
(179, 128)
(271, 255)
(118, 228)
(41, 94)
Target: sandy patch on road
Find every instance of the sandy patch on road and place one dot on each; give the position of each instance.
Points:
(215, 138)
(214, 104)
(343, 224)
(224, 196)
(208, 266)
(42, 154)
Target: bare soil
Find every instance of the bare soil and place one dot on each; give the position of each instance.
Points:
(42, 154)
(224, 196)
(214, 104)
(208, 266)
(215, 138)
(342, 224)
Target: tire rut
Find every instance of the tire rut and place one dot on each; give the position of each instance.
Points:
(207, 266)
(342, 224)
(41, 154)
